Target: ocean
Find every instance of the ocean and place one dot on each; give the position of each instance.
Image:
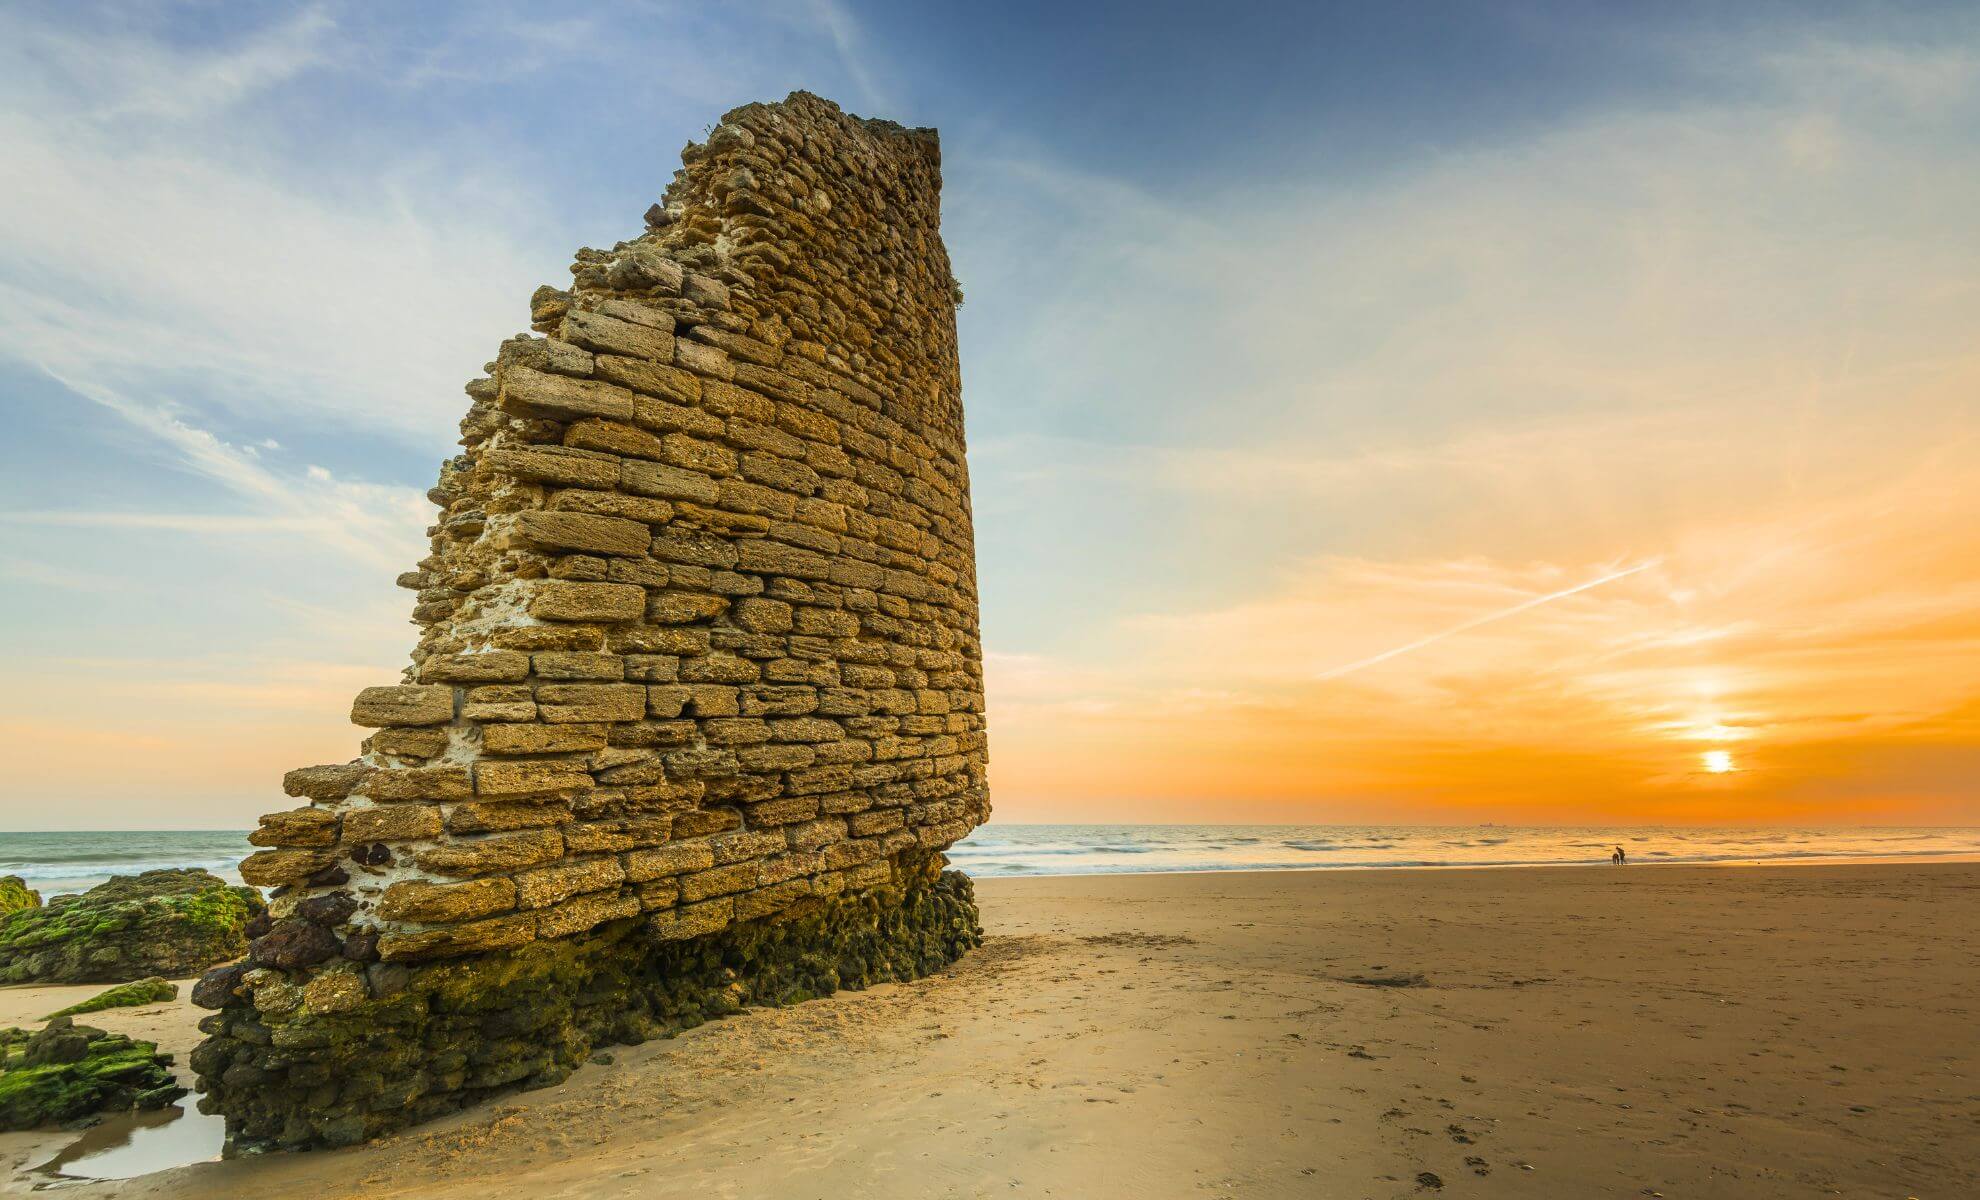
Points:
(70, 862)
(1105, 849)
(53, 863)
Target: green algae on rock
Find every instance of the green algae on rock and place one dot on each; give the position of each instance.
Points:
(160, 923)
(16, 895)
(299, 1067)
(67, 1071)
(125, 995)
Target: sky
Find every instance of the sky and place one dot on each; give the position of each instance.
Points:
(1443, 413)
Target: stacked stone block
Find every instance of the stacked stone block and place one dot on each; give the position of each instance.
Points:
(699, 636)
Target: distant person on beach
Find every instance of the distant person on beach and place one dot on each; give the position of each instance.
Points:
(1622, 857)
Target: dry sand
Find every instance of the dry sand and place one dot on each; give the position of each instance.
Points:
(1674, 1031)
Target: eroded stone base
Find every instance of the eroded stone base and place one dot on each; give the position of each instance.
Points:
(440, 1036)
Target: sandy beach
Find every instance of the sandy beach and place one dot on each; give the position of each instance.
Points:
(1677, 1031)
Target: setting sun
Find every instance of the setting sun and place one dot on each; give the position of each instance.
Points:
(1718, 762)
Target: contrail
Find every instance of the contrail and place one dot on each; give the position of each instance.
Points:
(1487, 619)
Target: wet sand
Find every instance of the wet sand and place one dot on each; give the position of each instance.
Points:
(1555, 1032)
(172, 1025)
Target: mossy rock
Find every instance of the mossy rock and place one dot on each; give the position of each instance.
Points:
(160, 923)
(125, 995)
(67, 1071)
(426, 1039)
(16, 895)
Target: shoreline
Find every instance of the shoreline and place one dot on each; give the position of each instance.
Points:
(1897, 860)
(81, 859)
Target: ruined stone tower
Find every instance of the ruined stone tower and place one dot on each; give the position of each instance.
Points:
(697, 701)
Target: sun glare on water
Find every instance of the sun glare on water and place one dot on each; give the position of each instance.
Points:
(1718, 762)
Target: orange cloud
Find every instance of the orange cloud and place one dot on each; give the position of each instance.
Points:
(130, 744)
(1826, 649)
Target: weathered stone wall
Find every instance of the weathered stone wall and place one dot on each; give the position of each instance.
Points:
(699, 638)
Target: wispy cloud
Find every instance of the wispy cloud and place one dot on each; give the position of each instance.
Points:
(1831, 71)
(122, 77)
(185, 282)
(198, 523)
(841, 27)
(1466, 626)
(492, 43)
(377, 525)
(177, 256)
(1797, 638)
(42, 574)
(1616, 261)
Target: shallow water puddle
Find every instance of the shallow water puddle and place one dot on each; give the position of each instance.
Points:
(136, 1144)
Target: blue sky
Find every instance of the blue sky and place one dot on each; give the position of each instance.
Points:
(1329, 306)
